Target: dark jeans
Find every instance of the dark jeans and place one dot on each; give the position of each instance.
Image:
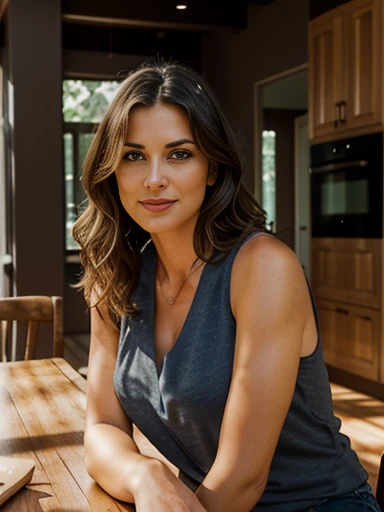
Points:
(361, 500)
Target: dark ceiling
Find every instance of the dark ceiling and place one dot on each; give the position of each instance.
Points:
(200, 14)
(149, 27)
(178, 44)
(317, 7)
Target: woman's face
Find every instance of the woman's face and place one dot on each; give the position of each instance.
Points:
(162, 175)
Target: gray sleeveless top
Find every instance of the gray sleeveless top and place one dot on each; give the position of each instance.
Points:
(180, 407)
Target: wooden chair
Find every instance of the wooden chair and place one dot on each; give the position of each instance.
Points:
(34, 310)
(380, 484)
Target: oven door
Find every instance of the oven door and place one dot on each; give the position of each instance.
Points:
(346, 200)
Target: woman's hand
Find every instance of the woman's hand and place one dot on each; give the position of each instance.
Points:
(159, 489)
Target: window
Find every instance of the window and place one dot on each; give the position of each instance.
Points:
(269, 176)
(84, 105)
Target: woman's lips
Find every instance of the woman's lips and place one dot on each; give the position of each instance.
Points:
(159, 207)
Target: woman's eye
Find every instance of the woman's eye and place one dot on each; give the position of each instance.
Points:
(133, 156)
(180, 154)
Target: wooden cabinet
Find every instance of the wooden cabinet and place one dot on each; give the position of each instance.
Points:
(347, 282)
(364, 62)
(351, 338)
(326, 74)
(347, 270)
(345, 71)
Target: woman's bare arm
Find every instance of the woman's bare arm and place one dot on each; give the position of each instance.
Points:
(111, 455)
(269, 299)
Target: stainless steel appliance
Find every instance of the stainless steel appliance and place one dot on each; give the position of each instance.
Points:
(347, 187)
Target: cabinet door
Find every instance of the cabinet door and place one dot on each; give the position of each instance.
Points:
(347, 270)
(326, 86)
(351, 338)
(363, 33)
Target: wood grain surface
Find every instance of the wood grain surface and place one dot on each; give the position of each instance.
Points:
(362, 419)
(15, 472)
(42, 417)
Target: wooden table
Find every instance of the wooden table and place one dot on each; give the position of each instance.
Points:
(42, 417)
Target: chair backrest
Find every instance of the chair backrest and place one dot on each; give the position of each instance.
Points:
(380, 484)
(33, 309)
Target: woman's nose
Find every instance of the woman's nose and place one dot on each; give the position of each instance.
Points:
(156, 177)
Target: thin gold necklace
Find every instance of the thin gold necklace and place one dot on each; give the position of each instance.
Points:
(171, 299)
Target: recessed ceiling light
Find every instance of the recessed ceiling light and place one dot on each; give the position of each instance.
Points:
(181, 7)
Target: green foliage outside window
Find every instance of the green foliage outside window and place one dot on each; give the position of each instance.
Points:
(84, 105)
(85, 101)
(269, 174)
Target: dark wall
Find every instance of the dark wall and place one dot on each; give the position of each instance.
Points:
(282, 122)
(76, 314)
(317, 7)
(276, 40)
(33, 124)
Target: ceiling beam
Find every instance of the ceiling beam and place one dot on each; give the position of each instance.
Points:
(199, 14)
(124, 22)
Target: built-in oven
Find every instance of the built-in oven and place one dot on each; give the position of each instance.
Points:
(346, 179)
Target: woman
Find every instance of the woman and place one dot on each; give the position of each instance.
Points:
(204, 333)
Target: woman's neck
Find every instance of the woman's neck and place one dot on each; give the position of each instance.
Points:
(175, 254)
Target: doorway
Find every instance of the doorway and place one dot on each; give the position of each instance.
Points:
(281, 158)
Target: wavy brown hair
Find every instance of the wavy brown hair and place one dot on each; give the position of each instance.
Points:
(110, 240)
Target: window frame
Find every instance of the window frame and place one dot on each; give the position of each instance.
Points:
(72, 255)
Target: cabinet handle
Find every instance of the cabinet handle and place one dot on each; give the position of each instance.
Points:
(343, 311)
(342, 112)
(366, 318)
(337, 114)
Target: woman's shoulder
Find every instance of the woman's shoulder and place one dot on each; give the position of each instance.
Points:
(265, 247)
(267, 280)
(266, 260)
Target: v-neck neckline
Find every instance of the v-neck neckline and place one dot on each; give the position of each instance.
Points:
(159, 369)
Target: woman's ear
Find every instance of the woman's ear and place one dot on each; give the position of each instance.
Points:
(212, 174)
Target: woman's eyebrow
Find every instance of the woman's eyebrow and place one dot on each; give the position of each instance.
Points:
(179, 143)
(169, 145)
(134, 145)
